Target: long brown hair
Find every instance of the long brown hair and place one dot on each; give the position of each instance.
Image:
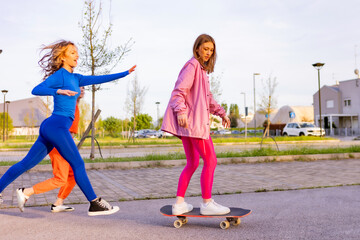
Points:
(210, 64)
(52, 60)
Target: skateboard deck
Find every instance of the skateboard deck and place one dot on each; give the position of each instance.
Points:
(233, 217)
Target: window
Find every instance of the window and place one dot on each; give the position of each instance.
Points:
(330, 104)
(347, 102)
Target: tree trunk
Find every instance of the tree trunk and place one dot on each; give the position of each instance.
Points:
(134, 125)
(93, 124)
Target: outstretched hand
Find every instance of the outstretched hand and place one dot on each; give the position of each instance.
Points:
(132, 69)
(66, 92)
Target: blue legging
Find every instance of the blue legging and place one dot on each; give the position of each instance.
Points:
(54, 132)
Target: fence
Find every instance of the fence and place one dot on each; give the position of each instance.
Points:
(343, 132)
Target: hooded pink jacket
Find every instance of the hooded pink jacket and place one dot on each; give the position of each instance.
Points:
(191, 96)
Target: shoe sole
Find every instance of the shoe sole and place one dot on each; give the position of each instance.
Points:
(215, 214)
(20, 199)
(180, 213)
(112, 211)
(67, 210)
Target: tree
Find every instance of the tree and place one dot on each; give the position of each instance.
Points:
(84, 119)
(143, 121)
(225, 106)
(268, 101)
(234, 115)
(98, 57)
(216, 92)
(234, 110)
(8, 125)
(134, 101)
(47, 105)
(215, 86)
(160, 121)
(30, 121)
(112, 126)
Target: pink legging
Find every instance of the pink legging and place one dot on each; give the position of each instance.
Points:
(194, 148)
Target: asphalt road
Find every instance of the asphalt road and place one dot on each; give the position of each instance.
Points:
(328, 213)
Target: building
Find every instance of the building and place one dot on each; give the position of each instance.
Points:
(27, 115)
(299, 114)
(340, 107)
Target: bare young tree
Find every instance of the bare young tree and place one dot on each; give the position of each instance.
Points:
(98, 58)
(84, 118)
(215, 88)
(47, 105)
(134, 101)
(268, 100)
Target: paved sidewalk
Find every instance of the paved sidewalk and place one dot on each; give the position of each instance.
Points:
(143, 183)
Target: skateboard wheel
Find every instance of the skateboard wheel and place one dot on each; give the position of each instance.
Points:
(178, 224)
(185, 221)
(236, 222)
(224, 224)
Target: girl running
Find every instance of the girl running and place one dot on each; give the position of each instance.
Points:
(187, 117)
(64, 85)
(63, 174)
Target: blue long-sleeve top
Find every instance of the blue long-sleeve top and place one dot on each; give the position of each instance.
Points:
(63, 79)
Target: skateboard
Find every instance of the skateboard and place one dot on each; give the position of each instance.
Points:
(233, 217)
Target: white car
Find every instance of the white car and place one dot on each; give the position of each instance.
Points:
(302, 129)
(223, 131)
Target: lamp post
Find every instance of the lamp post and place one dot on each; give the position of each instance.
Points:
(254, 74)
(157, 109)
(4, 92)
(245, 114)
(318, 66)
(7, 119)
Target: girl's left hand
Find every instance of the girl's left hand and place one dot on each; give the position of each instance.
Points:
(132, 69)
(226, 121)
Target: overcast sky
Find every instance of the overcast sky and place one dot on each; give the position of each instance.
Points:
(276, 38)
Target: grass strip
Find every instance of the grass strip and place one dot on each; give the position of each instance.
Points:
(118, 142)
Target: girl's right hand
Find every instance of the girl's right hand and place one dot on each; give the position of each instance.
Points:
(182, 120)
(66, 92)
(132, 69)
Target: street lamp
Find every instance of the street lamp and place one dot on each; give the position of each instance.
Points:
(318, 66)
(255, 101)
(7, 119)
(245, 114)
(157, 108)
(4, 92)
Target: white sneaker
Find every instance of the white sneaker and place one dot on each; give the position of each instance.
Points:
(21, 198)
(213, 208)
(178, 209)
(61, 208)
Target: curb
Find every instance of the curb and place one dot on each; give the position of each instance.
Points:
(180, 144)
(182, 162)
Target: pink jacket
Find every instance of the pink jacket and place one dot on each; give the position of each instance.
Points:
(191, 96)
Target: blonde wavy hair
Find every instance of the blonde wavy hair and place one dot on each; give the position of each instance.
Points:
(210, 64)
(52, 60)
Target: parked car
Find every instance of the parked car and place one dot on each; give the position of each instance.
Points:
(164, 134)
(224, 131)
(147, 133)
(235, 132)
(302, 129)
